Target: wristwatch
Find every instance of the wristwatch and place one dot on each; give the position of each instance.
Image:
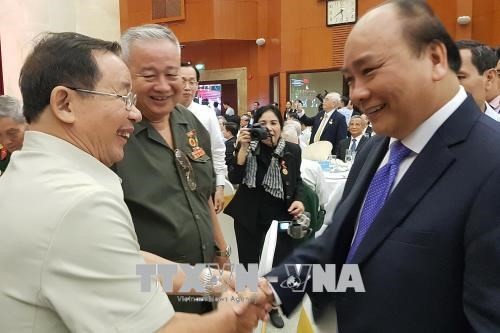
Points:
(226, 253)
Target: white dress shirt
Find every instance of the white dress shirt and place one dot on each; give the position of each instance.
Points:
(417, 140)
(347, 113)
(490, 112)
(69, 248)
(208, 118)
(495, 104)
(358, 139)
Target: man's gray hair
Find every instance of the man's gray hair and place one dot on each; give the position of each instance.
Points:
(290, 134)
(357, 117)
(335, 96)
(146, 32)
(10, 107)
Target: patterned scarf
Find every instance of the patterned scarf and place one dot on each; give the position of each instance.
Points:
(272, 180)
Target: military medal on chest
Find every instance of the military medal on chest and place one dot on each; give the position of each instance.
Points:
(284, 168)
(197, 151)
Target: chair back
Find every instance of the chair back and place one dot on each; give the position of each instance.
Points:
(317, 151)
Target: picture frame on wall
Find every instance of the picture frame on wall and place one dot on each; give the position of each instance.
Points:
(163, 11)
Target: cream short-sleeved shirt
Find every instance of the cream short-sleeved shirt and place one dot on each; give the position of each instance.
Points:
(69, 249)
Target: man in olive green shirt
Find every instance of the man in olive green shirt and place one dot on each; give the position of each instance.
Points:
(167, 172)
(12, 127)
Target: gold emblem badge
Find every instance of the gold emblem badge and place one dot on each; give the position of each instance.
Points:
(193, 143)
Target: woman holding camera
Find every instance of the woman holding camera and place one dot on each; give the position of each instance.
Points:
(268, 171)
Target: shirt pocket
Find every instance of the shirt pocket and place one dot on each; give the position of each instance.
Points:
(204, 173)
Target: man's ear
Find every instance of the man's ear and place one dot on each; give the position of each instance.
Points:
(491, 78)
(62, 100)
(438, 56)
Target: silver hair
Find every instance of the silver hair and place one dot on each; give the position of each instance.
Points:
(335, 96)
(10, 107)
(356, 117)
(294, 124)
(146, 32)
(290, 134)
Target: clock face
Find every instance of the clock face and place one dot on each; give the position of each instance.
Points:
(341, 11)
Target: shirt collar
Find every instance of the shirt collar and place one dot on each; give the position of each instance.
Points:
(80, 160)
(358, 138)
(329, 113)
(495, 102)
(417, 140)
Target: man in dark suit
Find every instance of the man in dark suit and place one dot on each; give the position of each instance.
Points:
(329, 124)
(419, 214)
(355, 141)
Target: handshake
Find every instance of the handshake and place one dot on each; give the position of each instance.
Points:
(241, 310)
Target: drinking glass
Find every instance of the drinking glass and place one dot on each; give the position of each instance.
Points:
(332, 161)
(349, 158)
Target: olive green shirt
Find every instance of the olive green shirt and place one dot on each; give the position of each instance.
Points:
(170, 219)
(4, 163)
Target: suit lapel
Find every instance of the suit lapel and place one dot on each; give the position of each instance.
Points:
(419, 178)
(413, 186)
(352, 198)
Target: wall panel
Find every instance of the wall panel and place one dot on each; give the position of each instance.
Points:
(222, 33)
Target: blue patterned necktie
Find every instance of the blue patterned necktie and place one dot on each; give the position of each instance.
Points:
(353, 145)
(378, 191)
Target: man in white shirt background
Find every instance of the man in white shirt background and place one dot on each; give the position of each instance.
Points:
(477, 73)
(229, 111)
(190, 77)
(494, 100)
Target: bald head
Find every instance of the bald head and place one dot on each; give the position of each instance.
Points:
(385, 63)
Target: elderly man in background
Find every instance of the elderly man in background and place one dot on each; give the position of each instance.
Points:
(355, 141)
(328, 124)
(69, 261)
(167, 172)
(190, 77)
(12, 127)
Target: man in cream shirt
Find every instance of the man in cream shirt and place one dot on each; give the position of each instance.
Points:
(69, 259)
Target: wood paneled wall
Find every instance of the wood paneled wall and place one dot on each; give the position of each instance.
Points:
(222, 33)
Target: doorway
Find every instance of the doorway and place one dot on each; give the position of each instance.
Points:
(234, 85)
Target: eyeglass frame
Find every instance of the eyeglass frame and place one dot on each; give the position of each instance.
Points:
(130, 99)
(187, 168)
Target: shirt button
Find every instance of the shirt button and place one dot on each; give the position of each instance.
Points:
(288, 197)
(197, 216)
(287, 183)
(204, 247)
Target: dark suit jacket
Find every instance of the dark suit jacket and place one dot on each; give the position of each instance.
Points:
(346, 143)
(430, 261)
(334, 131)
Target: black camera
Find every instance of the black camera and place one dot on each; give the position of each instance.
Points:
(258, 132)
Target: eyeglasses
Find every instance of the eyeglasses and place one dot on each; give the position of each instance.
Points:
(183, 161)
(130, 99)
(190, 83)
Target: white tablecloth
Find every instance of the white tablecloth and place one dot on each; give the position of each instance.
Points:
(334, 183)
